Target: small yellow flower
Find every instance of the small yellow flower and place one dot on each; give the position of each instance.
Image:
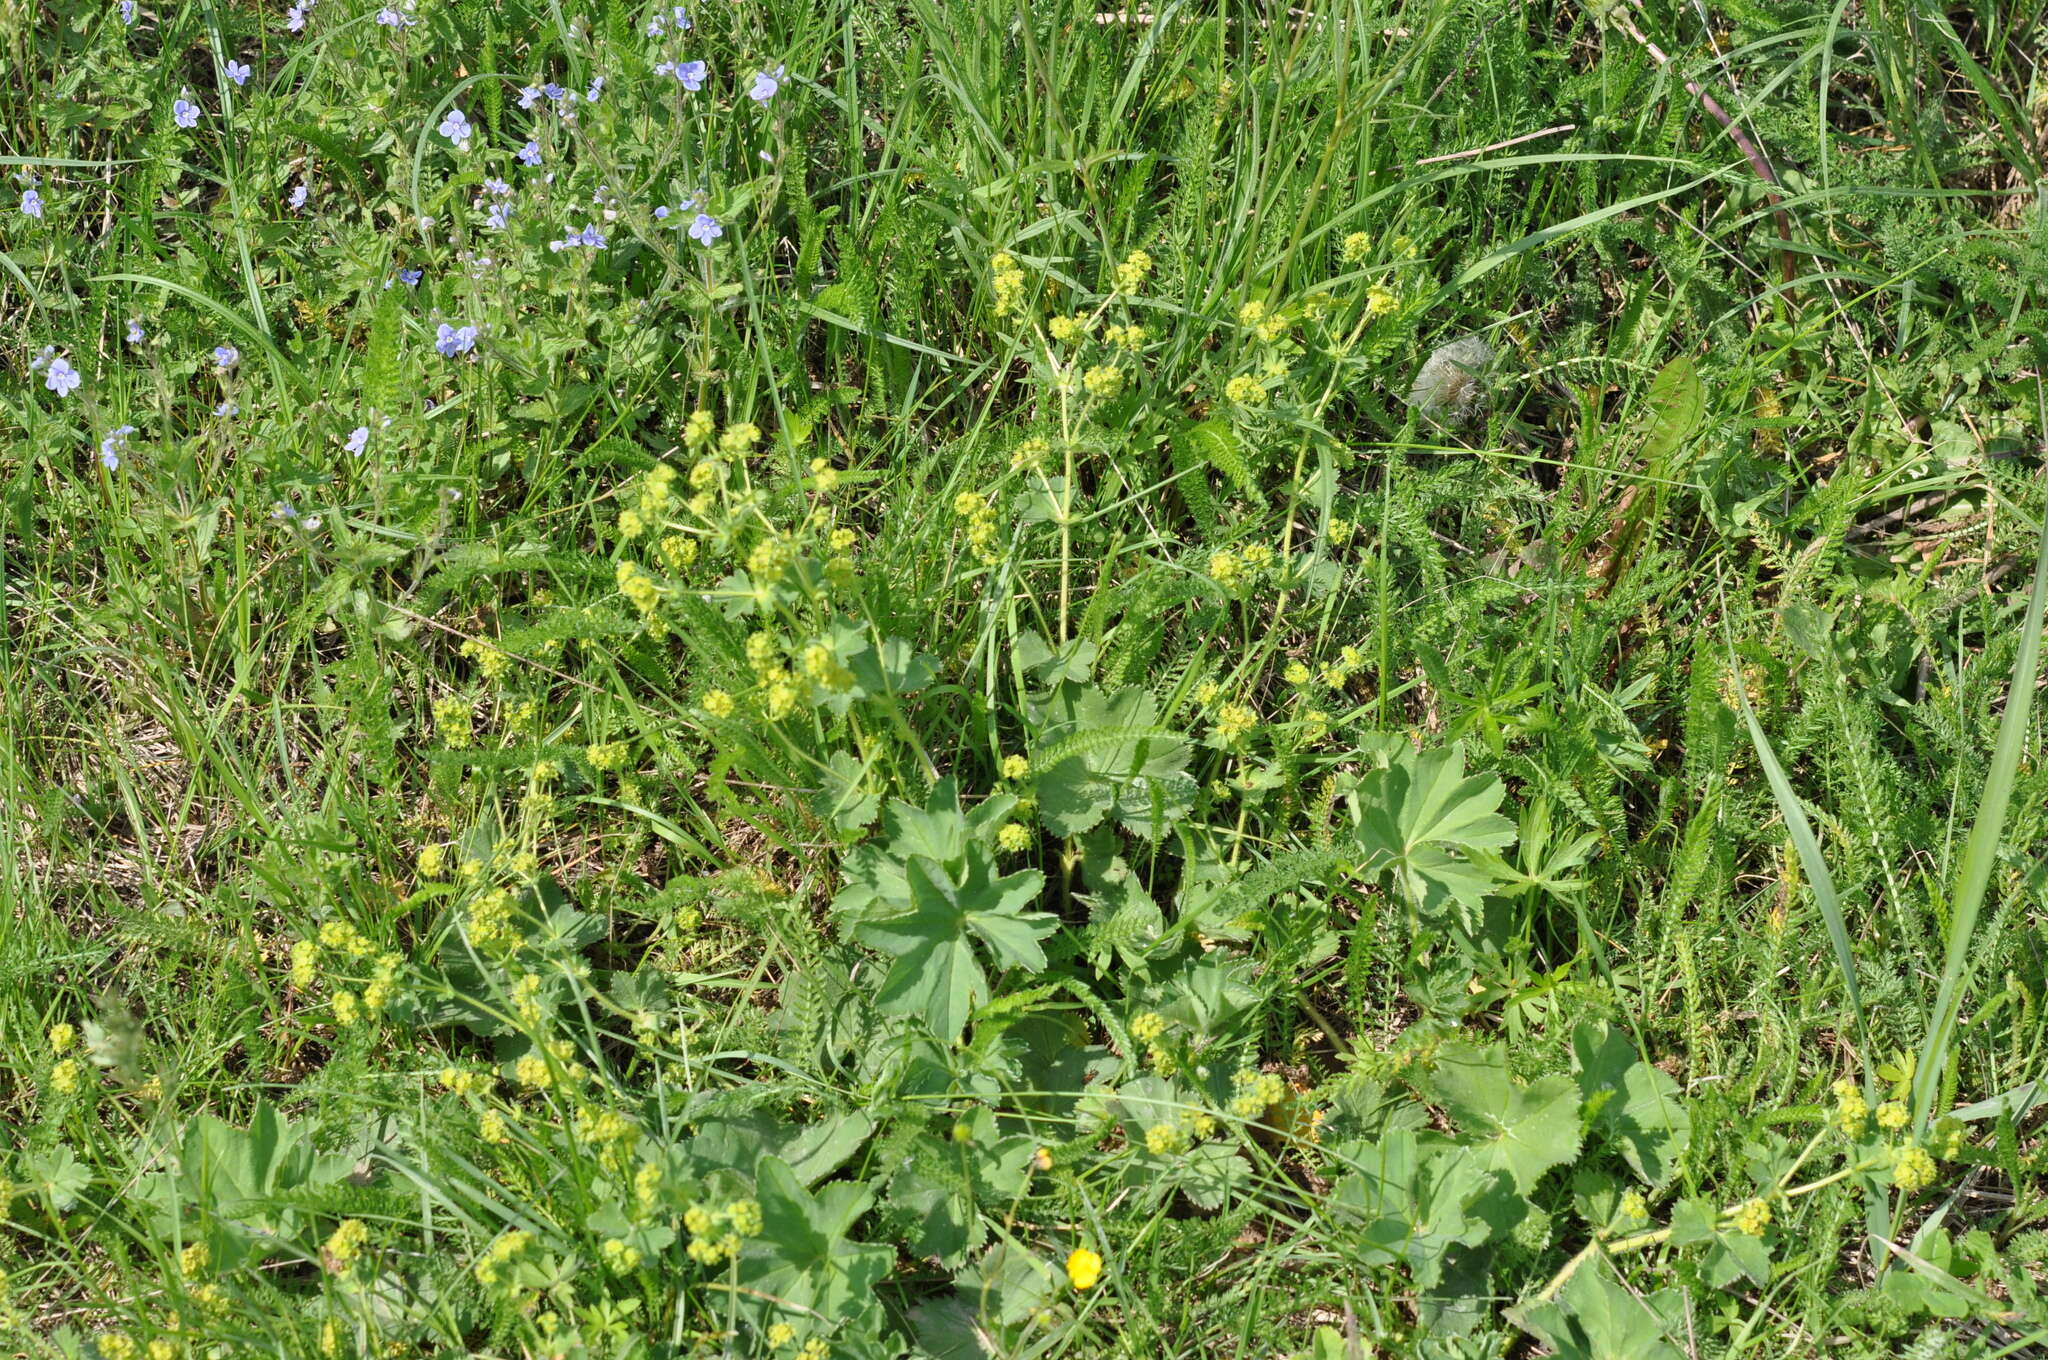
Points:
(1380, 299)
(1892, 1116)
(1752, 1218)
(1130, 275)
(1147, 1026)
(1245, 390)
(718, 704)
(1914, 1171)
(62, 1036)
(1235, 722)
(532, 1071)
(433, 860)
(491, 1128)
(1356, 247)
(1226, 568)
(1103, 381)
(780, 1335)
(347, 1241)
(1012, 838)
(114, 1346)
(1084, 1268)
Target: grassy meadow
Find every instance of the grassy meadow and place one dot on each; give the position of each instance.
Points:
(990, 678)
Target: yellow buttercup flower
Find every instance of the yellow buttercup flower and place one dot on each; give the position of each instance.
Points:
(1084, 1268)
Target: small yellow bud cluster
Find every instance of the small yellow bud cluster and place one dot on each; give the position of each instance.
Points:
(1752, 1217)
(1011, 838)
(490, 919)
(1126, 337)
(1245, 390)
(1380, 300)
(1914, 1170)
(771, 560)
(64, 1077)
(433, 859)
(1103, 381)
(383, 983)
(1147, 1027)
(715, 1235)
(1355, 247)
(62, 1037)
(1029, 456)
(1892, 1116)
(698, 429)
(463, 1082)
(824, 477)
(981, 523)
(1339, 672)
(1634, 1209)
(1257, 1092)
(1296, 673)
(492, 1128)
(739, 439)
(453, 718)
(605, 756)
(491, 661)
(193, 1260)
(491, 1265)
(814, 1349)
(347, 1241)
(718, 703)
(1851, 1109)
(780, 1335)
(1234, 722)
(1068, 329)
(1132, 273)
(1008, 280)
(114, 1346)
(823, 668)
(1166, 1140)
(619, 1256)
(677, 551)
(639, 589)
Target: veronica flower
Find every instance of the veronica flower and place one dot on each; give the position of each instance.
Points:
(530, 154)
(238, 71)
(661, 212)
(498, 187)
(128, 13)
(136, 335)
(555, 93)
(358, 440)
(295, 17)
(452, 340)
(113, 446)
(185, 113)
(62, 378)
(411, 277)
(298, 199)
(529, 95)
(499, 215)
(392, 18)
(226, 409)
(654, 29)
(455, 127)
(596, 86)
(227, 356)
(766, 83)
(705, 229)
(691, 74)
(32, 203)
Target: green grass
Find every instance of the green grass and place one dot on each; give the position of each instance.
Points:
(1030, 697)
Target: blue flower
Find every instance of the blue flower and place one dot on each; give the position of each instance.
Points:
(654, 29)
(498, 187)
(499, 215)
(766, 83)
(227, 356)
(226, 409)
(113, 446)
(298, 198)
(691, 74)
(530, 154)
(596, 87)
(62, 378)
(358, 440)
(452, 340)
(555, 93)
(661, 212)
(529, 95)
(705, 229)
(128, 13)
(455, 127)
(238, 71)
(185, 113)
(590, 236)
(680, 17)
(295, 17)
(32, 203)
(392, 18)
(411, 277)
(136, 335)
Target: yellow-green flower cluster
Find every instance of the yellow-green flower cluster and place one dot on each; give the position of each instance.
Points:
(1008, 280)
(716, 1235)
(1257, 1092)
(454, 719)
(62, 1037)
(464, 1082)
(1380, 299)
(1103, 381)
(641, 592)
(1752, 1217)
(1355, 247)
(1029, 455)
(1012, 837)
(1132, 273)
(491, 661)
(981, 523)
(347, 1242)
(1166, 1139)
(1245, 390)
(490, 1267)
(1234, 722)
(490, 919)
(64, 1077)
(1914, 1170)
